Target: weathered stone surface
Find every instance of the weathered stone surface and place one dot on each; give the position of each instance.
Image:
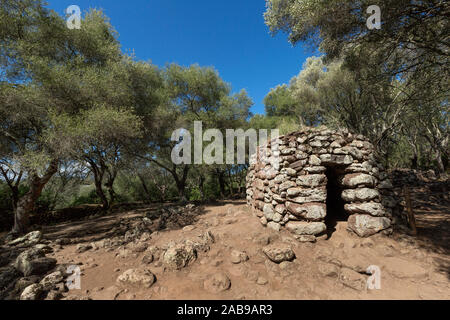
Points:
(359, 180)
(352, 279)
(281, 209)
(286, 185)
(268, 212)
(279, 253)
(34, 262)
(137, 278)
(33, 292)
(179, 256)
(310, 195)
(329, 270)
(372, 208)
(315, 169)
(312, 180)
(28, 240)
(366, 225)
(217, 283)
(51, 280)
(332, 159)
(306, 228)
(315, 161)
(274, 226)
(238, 256)
(364, 194)
(310, 211)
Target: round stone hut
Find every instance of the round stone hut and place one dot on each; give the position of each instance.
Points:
(309, 180)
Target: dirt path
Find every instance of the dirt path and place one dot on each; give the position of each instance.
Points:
(411, 268)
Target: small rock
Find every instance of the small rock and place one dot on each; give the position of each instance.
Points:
(188, 228)
(217, 283)
(137, 277)
(262, 281)
(352, 279)
(238, 257)
(279, 253)
(148, 258)
(83, 248)
(329, 270)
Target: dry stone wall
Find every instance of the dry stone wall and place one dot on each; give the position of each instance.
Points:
(295, 193)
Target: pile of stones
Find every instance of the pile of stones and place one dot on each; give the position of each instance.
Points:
(288, 177)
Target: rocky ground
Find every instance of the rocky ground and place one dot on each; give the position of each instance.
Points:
(222, 251)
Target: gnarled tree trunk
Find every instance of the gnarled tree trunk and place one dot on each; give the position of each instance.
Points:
(25, 205)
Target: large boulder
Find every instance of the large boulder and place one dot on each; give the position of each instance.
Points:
(34, 262)
(366, 225)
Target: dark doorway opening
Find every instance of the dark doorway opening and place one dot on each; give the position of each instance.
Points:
(335, 204)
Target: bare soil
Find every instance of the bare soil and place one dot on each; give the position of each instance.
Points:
(411, 267)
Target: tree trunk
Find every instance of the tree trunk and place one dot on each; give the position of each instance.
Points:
(221, 184)
(144, 186)
(440, 163)
(101, 195)
(25, 205)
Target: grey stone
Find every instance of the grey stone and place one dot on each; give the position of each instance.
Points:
(372, 208)
(29, 239)
(352, 279)
(310, 211)
(137, 278)
(274, 226)
(310, 195)
(359, 180)
(34, 262)
(312, 180)
(366, 225)
(179, 256)
(217, 283)
(286, 185)
(306, 228)
(364, 194)
(33, 292)
(279, 253)
(51, 280)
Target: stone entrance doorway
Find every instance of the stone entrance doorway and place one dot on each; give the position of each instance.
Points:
(335, 204)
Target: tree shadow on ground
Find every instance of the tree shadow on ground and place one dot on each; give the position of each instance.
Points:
(431, 207)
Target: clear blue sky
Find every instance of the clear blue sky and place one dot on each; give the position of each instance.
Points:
(227, 34)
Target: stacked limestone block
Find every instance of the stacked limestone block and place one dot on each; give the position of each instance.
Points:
(293, 194)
